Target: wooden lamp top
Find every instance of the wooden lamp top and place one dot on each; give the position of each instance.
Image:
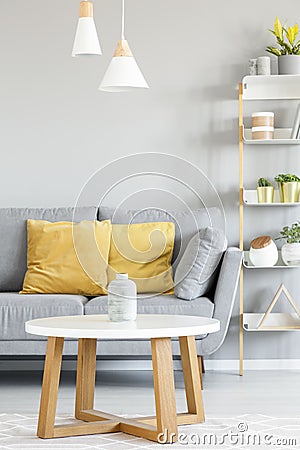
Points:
(122, 48)
(86, 9)
(261, 242)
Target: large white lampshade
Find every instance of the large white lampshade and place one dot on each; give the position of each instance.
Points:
(123, 73)
(86, 40)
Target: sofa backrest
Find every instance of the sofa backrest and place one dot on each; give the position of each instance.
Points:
(13, 238)
(187, 223)
(13, 231)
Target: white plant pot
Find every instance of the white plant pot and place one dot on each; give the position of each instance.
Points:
(289, 65)
(290, 254)
(264, 257)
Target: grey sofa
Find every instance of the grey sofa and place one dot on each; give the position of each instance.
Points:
(16, 309)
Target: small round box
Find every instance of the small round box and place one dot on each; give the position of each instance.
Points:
(263, 119)
(262, 133)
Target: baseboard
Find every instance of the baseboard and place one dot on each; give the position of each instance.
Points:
(253, 364)
(210, 364)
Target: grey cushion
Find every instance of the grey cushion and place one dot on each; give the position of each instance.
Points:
(197, 268)
(13, 238)
(224, 298)
(16, 309)
(161, 304)
(187, 223)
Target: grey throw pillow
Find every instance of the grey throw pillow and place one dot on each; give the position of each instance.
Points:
(194, 275)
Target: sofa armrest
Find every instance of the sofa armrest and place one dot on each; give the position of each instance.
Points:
(224, 298)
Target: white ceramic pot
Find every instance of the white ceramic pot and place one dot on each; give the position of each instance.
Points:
(289, 65)
(264, 257)
(290, 254)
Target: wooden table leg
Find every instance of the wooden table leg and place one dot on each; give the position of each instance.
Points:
(85, 378)
(191, 376)
(50, 387)
(162, 428)
(200, 366)
(164, 388)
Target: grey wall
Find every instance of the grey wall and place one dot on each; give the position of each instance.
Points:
(57, 129)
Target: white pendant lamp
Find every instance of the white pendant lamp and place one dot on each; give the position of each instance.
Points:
(86, 40)
(123, 73)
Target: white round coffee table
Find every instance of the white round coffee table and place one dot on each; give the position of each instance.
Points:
(159, 329)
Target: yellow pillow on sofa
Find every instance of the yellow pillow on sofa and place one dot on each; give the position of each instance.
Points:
(67, 257)
(144, 251)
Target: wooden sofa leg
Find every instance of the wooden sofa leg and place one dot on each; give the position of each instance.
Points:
(200, 365)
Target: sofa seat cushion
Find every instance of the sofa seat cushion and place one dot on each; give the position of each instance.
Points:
(160, 304)
(16, 309)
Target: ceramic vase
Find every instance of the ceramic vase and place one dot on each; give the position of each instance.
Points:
(290, 254)
(122, 300)
(264, 257)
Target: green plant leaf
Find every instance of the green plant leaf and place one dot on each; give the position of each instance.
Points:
(278, 29)
(286, 178)
(291, 234)
(273, 50)
(288, 48)
(292, 33)
(263, 182)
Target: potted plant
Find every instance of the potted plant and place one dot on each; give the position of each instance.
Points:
(289, 187)
(290, 251)
(288, 51)
(265, 191)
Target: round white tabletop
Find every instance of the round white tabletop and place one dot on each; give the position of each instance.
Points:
(100, 327)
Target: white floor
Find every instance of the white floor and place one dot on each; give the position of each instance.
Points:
(275, 393)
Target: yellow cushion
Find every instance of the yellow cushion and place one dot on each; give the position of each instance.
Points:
(66, 257)
(144, 251)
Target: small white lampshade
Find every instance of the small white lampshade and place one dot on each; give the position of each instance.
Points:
(86, 40)
(123, 74)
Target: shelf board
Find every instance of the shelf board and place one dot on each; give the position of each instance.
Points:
(274, 322)
(279, 265)
(250, 199)
(271, 87)
(281, 137)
